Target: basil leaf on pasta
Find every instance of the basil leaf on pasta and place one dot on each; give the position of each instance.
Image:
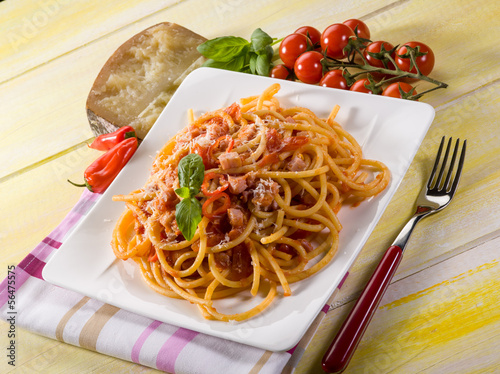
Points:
(188, 216)
(191, 172)
(183, 192)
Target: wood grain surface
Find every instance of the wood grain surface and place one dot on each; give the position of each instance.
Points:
(440, 314)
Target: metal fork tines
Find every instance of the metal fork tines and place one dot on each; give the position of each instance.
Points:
(439, 189)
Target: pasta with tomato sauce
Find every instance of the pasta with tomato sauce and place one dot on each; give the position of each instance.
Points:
(274, 181)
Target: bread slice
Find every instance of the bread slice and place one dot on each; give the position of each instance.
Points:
(139, 79)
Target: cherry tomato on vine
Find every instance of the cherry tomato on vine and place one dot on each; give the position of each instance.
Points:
(425, 62)
(334, 39)
(376, 48)
(334, 79)
(359, 86)
(280, 71)
(308, 67)
(363, 30)
(291, 47)
(311, 32)
(392, 90)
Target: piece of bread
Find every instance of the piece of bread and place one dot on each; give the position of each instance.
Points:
(139, 79)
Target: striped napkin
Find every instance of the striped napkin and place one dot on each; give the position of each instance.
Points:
(75, 319)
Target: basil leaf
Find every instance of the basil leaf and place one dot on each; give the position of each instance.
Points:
(224, 48)
(183, 192)
(191, 171)
(188, 216)
(235, 65)
(252, 64)
(269, 51)
(263, 65)
(260, 40)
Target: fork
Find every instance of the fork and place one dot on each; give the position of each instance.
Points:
(434, 197)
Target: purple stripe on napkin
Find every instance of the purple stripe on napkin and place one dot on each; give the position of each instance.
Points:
(169, 352)
(136, 349)
(325, 308)
(343, 280)
(53, 243)
(33, 266)
(291, 350)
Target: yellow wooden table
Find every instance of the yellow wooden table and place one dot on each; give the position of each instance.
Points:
(441, 313)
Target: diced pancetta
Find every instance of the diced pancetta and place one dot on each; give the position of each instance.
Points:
(296, 164)
(247, 133)
(264, 193)
(230, 160)
(237, 184)
(236, 217)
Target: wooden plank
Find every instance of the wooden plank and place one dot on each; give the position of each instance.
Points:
(449, 309)
(38, 32)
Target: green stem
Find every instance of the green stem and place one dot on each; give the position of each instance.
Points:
(277, 41)
(396, 73)
(86, 184)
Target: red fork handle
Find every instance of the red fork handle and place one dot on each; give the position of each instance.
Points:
(339, 353)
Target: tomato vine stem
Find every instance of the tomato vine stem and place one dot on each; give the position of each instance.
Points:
(396, 73)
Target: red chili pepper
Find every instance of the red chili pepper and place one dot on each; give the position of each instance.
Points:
(105, 142)
(99, 175)
(222, 181)
(220, 210)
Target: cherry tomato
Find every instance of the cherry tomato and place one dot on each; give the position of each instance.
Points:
(280, 71)
(376, 47)
(359, 86)
(392, 90)
(335, 38)
(311, 32)
(334, 79)
(425, 62)
(363, 30)
(308, 67)
(291, 47)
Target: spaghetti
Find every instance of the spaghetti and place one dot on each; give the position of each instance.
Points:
(275, 180)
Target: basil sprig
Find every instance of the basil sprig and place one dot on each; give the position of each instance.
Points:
(191, 172)
(237, 54)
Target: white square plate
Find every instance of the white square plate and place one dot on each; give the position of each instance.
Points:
(389, 130)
